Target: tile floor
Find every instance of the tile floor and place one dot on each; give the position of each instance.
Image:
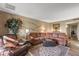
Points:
(74, 48)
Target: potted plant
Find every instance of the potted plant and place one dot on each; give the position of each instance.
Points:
(13, 24)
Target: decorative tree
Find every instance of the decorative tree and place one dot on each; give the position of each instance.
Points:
(13, 24)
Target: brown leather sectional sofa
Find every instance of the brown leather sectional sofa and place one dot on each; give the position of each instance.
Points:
(36, 38)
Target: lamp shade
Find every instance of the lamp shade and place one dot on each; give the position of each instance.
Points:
(23, 32)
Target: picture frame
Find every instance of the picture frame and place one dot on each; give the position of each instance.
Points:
(56, 27)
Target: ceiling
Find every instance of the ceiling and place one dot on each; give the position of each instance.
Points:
(48, 12)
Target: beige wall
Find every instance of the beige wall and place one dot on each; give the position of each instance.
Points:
(63, 26)
(3, 18)
(34, 25)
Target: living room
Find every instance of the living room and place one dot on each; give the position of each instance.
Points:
(26, 27)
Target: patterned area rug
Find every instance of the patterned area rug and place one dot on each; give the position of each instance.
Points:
(40, 50)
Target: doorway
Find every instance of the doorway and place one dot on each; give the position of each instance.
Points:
(72, 31)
